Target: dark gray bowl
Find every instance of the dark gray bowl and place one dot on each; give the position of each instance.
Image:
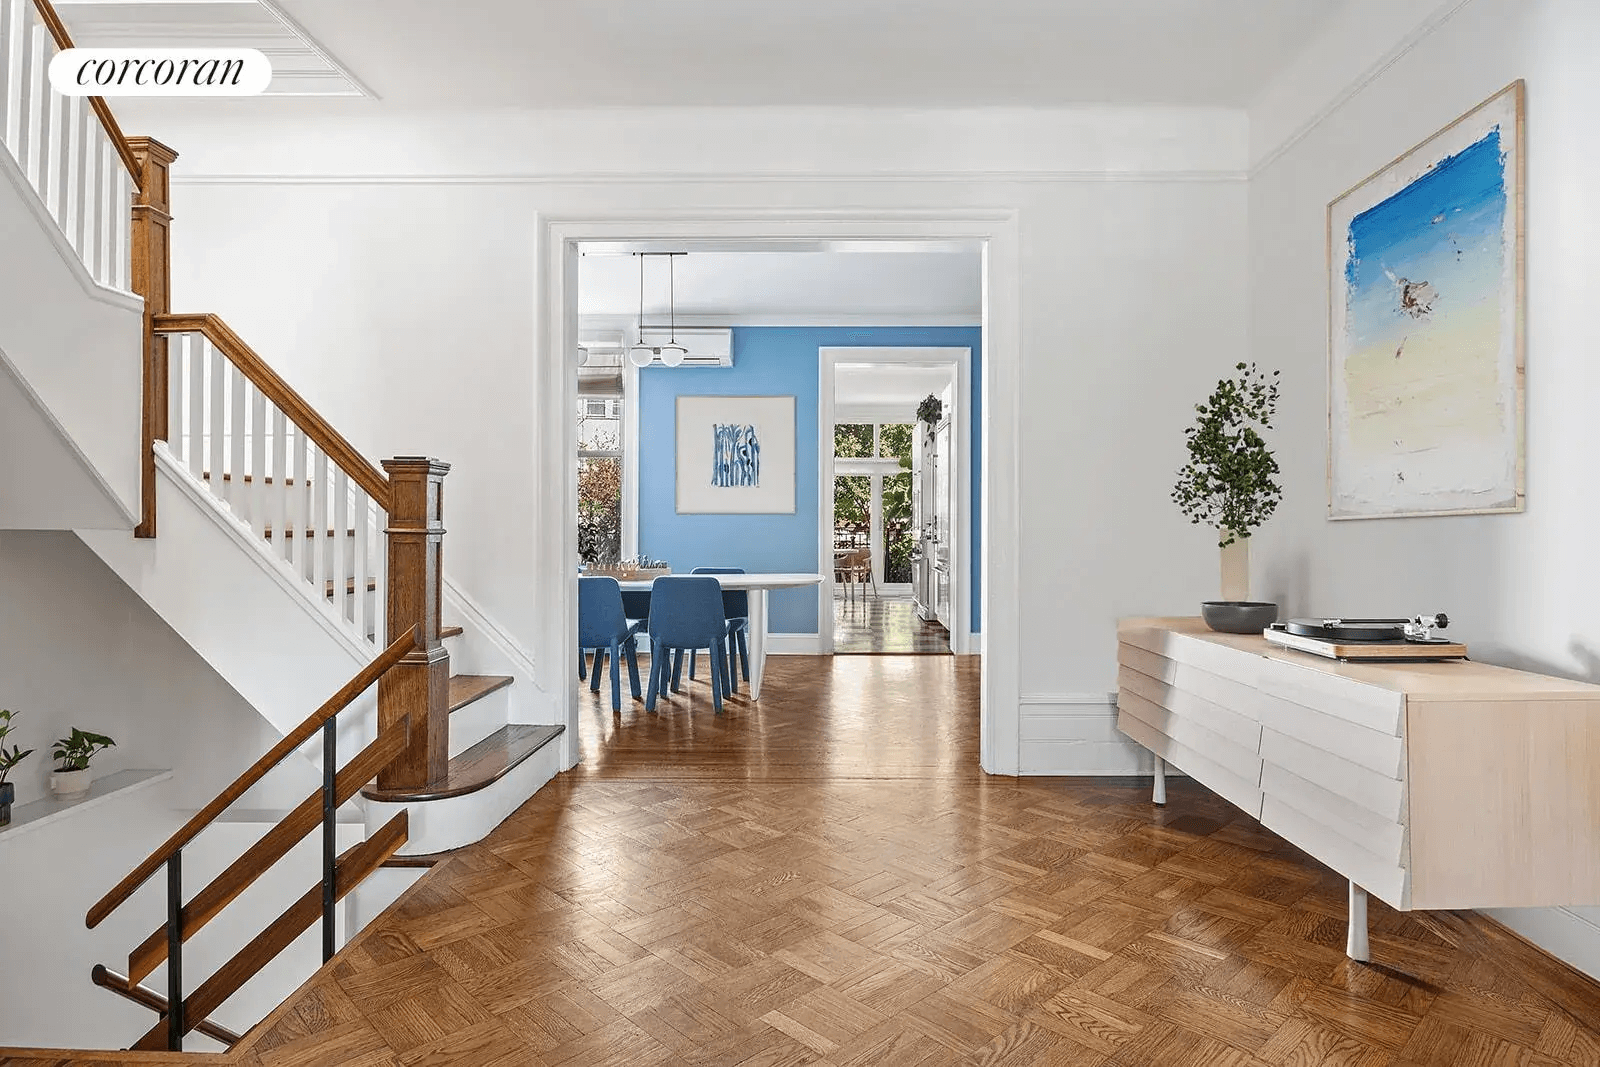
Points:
(1238, 616)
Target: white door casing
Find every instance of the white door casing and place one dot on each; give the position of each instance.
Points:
(555, 403)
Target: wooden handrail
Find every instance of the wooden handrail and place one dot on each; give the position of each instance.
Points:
(58, 31)
(353, 867)
(291, 403)
(149, 998)
(294, 739)
(268, 849)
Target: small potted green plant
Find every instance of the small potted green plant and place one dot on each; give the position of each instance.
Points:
(72, 754)
(930, 411)
(8, 760)
(1231, 484)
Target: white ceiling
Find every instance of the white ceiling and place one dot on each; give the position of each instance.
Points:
(891, 53)
(299, 66)
(788, 288)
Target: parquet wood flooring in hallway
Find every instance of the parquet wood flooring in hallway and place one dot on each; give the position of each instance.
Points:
(829, 879)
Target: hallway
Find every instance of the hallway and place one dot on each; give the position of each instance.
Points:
(830, 879)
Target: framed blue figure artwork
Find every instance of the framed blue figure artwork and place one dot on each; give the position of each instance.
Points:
(735, 455)
(1425, 382)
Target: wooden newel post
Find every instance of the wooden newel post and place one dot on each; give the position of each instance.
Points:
(419, 686)
(151, 277)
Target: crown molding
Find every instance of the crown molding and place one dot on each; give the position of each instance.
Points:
(717, 178)
(1352, 89)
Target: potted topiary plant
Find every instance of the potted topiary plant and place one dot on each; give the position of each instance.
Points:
(930, 411)
(8, 760)
(1230, 484)
(72, 754)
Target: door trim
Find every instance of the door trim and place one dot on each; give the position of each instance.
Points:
(959, 358)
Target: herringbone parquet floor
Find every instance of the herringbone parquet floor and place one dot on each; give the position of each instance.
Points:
(828, 879)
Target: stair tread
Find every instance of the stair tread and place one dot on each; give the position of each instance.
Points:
(206, 475)
(423, 859)
(292, 533)
(450, 631)
(465, 688)
(349, 585)
(482, 765)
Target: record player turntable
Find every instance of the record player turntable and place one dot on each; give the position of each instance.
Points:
(1402, 640)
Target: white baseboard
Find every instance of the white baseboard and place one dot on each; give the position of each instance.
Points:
(1076, 734)
(794, 644)
(1563, 932)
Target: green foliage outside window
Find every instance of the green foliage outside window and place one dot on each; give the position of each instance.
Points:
(852, 494)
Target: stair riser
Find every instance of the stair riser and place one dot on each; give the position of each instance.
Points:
(441, 825)
(478, 720)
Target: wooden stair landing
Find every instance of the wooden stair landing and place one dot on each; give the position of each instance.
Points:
(480, 766)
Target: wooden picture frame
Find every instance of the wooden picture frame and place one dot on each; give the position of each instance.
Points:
(1426, 325)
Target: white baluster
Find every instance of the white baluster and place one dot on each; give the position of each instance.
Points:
(79, 116)
(299, 503)
(177, 383)
(361, 557)
(340, 554)
(199, 352)
(55, 167)
(106, 254)
(281, 487)
(93, 210)
(258, 462)
(35, 90)
(235, 487)
(380, 571)
(13, 34)
(122, 278)
(319, 520)
(216, 416)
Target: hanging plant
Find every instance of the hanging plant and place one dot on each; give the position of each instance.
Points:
(930, 411)
(1230, 481)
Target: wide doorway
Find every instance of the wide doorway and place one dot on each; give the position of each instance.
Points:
(571, 243)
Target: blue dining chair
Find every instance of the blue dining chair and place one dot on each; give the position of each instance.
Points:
(604, 627)
(685, 615)
(736, 609)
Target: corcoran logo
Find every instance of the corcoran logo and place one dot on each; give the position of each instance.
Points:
(160, 72)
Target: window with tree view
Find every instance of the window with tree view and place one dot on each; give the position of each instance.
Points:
(599, 479)
(875, 509)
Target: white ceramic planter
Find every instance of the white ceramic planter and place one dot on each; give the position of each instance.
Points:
(71, 785)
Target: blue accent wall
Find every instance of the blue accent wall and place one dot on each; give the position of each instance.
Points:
(770, 361)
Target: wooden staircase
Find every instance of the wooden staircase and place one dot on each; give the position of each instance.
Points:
(357, 543)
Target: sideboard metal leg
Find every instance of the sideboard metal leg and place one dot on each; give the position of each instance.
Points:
(1356, 941)
(1159, 791)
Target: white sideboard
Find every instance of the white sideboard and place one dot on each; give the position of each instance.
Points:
(1431, 785)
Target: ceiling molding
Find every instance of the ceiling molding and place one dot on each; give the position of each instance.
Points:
(715, 178)
(288, 22)
(1372, 73)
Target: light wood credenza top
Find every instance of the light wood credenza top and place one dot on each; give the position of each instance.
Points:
(1448, 680)
(1432, 785)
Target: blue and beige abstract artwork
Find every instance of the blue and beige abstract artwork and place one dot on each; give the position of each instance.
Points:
(1426, 378)
(735, 455)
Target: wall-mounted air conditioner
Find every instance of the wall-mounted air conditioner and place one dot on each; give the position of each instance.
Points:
(709, 346)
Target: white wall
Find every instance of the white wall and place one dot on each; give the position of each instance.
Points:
(78, 648)
(1521, 590)
(387, 269)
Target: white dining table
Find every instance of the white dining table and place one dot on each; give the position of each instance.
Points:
(758, 586)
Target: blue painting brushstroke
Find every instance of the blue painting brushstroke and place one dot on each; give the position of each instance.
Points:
(735, 455)
(1436, 244)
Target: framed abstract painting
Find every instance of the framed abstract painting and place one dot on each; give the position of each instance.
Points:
(736, 455)
(1426, 360)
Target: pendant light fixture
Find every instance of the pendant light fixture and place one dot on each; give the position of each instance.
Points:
(672, 354)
